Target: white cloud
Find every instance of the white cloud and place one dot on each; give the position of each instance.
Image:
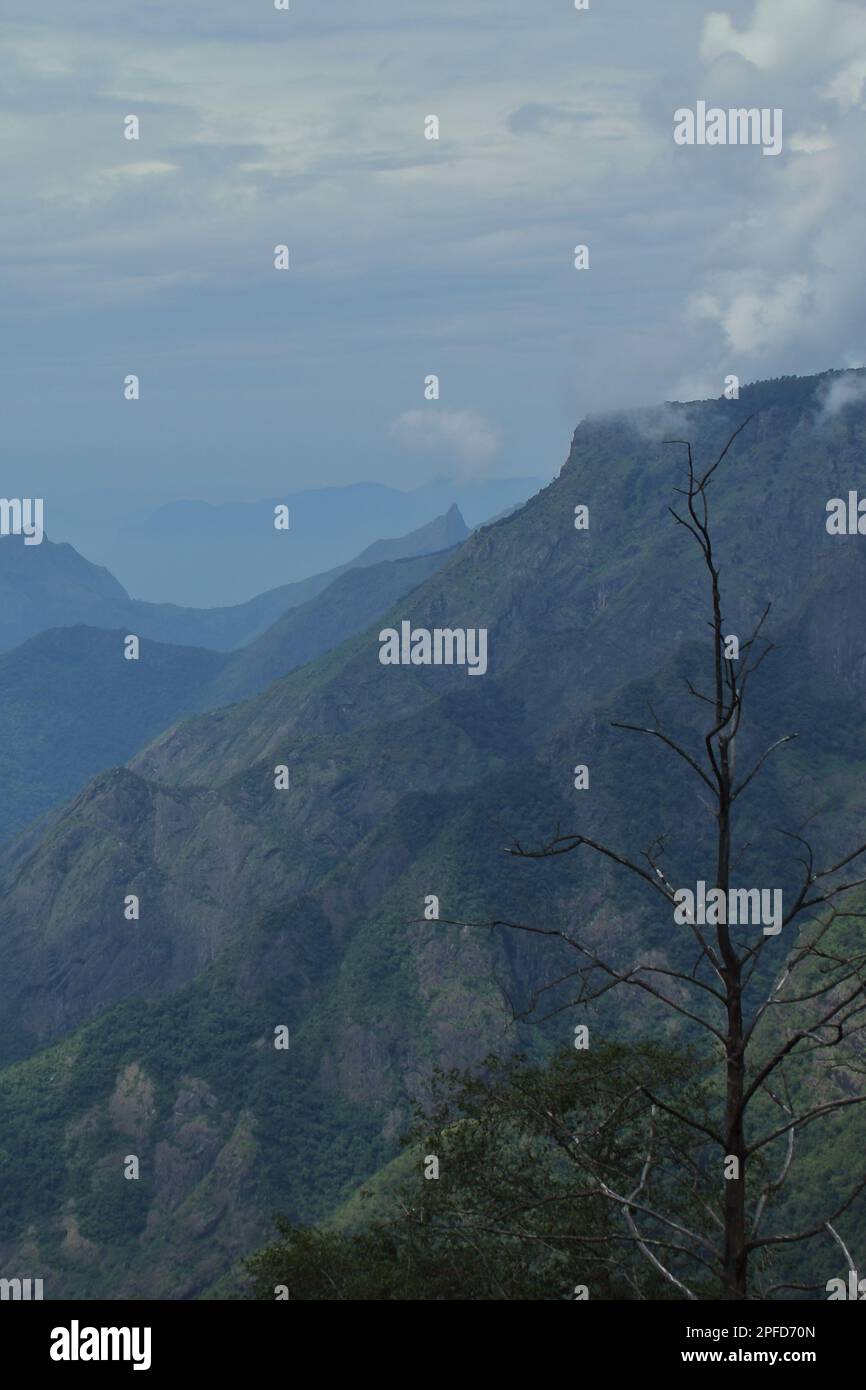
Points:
(842, 392)
(813, 36)
(846, 88)
(276, 128)
(780, 32)
(758, 316)
(814, 143)
(463, 435)
(142, 169)
(662, 423)
(258, 129)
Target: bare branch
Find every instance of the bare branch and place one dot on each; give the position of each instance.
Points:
(788, 738)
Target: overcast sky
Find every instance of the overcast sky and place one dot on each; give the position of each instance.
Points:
(408, 256)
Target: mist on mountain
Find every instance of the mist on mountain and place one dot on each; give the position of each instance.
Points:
(281, 850)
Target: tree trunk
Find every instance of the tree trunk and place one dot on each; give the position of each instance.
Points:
(735, 1256)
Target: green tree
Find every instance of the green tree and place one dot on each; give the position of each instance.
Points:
(516, 1212)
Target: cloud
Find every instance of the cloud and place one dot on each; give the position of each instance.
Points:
(148, 168)
(461, 434)
(539, 118)
(811, 143)
(662, 423)
(780, 31)
(775, 285)
(759, 315)
(260, 128)
(842, 392)
(826, 36)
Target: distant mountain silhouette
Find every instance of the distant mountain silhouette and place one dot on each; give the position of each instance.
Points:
(199, 553)
(51, 585)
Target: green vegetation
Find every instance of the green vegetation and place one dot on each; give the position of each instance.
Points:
(305, 908)
(511, 1212)
(514, 1210)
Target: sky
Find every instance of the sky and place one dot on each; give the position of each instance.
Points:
(408, 256)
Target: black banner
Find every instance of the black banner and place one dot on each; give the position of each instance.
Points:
(159, 1339)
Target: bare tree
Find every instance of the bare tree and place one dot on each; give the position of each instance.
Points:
(817, 1003)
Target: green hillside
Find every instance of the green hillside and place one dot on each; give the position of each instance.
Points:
(71, 705)
(304, 907)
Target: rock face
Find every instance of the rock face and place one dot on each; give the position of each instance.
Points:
(304, 907)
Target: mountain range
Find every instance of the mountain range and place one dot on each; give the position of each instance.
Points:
(51, 585)
(72, 705)
(199, 552)
(265, 905)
